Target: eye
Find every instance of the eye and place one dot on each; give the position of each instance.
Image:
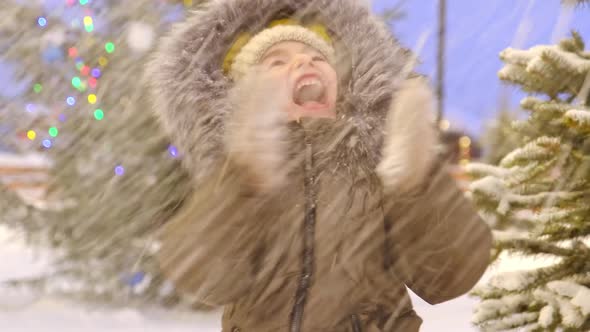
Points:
(276, 63)
(319, 58)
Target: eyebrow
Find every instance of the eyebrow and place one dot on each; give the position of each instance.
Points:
(280, 51)
(311, 49)
(272, 53)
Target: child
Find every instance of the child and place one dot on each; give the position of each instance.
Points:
(318, 194)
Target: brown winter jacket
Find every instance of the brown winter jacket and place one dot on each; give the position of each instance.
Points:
(334, 248)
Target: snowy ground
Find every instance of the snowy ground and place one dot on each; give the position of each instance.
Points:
(25, 312)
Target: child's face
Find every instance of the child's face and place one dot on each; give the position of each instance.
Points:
(311, 79)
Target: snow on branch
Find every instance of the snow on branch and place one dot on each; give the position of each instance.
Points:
(533, 247)
(541, 148)
(578, 118)
(570, 315)
(550, 69)
(539, 105)
(547, 316)
(537, 58)
(513, 321)
(547, 215)
(513, 280)
(496, 188)
(481, 169)
(494, 308)
(568, 61)
(507, 235)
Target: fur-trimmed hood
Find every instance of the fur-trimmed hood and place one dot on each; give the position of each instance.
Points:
(189, 89)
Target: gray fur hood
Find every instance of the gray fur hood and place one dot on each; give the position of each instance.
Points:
(189, 90)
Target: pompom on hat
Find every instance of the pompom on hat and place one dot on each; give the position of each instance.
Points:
(248, 50)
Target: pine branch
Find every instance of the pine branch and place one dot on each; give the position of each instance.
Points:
(575, 2)
(534, 247)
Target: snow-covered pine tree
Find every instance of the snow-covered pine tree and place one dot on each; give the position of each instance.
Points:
(115, 179)
(544, 185)
(499, 137)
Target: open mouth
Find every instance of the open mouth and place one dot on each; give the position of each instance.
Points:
(310, 92)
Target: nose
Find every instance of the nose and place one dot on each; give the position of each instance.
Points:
(302, 59)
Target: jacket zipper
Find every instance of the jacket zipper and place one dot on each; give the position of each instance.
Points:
(355, 323)
(308, 240)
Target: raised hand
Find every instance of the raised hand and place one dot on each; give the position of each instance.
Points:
(256, 134)
(410, 138)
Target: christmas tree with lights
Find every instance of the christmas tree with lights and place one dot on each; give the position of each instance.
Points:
(114, 177)
(542, 187)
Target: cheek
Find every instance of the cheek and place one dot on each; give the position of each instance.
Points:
(280, 72)
(334, 88)
(332, 80)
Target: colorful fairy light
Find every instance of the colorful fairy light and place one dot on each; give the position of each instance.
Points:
(465, 150)
(72, 52)
(109, 47)
(119, 170)
(71, 101)
(444, 125)
(98, 114)
(31, 108)
(87, 20)
(37, 88)
(31, 134)
(92, 98)
(46, 143)
(85, 70)
(465, 142)
(102, 61)
(92, 82)
(42, 21)
(62, 117)
(83, 2)
(76, 82)
(173, 151)
(95, 72)
(53, 132)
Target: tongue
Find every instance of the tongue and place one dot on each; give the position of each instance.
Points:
(311, 94)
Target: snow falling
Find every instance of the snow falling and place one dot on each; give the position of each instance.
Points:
(63, 61)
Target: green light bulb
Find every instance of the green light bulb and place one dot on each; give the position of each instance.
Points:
(98, 114)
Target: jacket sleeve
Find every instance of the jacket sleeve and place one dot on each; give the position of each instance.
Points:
(437, 242)
(213, 250)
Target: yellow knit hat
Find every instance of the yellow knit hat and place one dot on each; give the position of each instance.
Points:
(247, 51)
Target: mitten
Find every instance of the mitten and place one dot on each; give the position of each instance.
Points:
(410, 138)
(256, 133)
